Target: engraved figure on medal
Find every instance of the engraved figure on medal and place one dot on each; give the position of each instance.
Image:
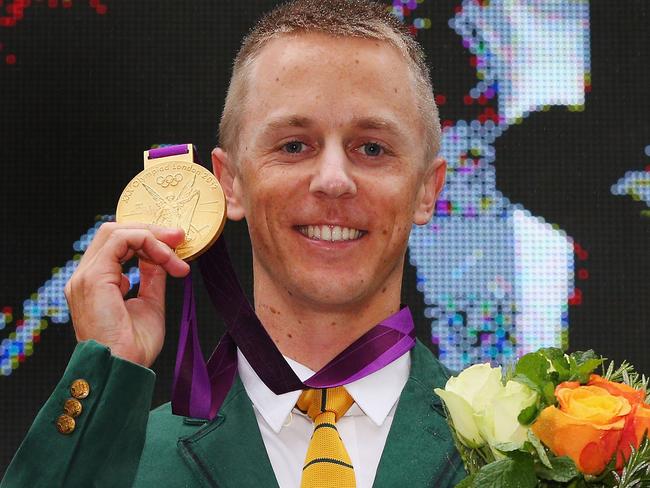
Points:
(175, 209)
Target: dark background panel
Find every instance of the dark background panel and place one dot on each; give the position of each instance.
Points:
(86, 93)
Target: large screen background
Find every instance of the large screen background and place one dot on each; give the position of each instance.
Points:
(540, 236)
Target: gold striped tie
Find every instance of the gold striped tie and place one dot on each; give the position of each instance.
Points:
(327, 464)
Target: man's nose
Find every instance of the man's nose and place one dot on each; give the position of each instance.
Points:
(332, 176)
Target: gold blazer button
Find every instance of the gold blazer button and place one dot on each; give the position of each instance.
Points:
(80, 389)
(65, 424)
(72, 407)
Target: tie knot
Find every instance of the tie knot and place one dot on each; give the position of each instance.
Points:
(316, 402)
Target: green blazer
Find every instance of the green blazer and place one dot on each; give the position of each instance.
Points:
(118, 442)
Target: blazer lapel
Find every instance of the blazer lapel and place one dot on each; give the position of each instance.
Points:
(229, 451)
(419, 450)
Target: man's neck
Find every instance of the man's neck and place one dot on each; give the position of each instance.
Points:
(314, 335)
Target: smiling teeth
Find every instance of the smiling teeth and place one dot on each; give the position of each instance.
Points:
(332, 233)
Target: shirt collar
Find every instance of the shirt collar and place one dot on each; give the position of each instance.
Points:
(375, 394)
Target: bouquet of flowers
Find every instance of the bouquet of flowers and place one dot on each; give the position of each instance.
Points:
(550, 421)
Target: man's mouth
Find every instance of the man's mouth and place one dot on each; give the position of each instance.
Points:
(330, 233)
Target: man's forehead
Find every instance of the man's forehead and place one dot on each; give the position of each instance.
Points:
(310, 64)
(311, 49)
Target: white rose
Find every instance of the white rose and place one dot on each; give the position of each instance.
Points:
(498, 423)
(467, 394)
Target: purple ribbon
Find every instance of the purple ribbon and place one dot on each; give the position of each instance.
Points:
(166, 150)
(199, 389)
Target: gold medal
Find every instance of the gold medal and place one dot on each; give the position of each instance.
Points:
(174, 191)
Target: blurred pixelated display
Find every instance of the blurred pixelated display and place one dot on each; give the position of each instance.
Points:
(636, 184)
(529, 245)
(499, 279)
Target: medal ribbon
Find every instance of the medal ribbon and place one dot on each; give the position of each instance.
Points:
(199, 389)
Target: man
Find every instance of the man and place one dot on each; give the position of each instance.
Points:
(328, 146)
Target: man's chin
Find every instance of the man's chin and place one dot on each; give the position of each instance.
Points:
(330, 293)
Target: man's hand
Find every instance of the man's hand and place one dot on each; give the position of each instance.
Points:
(133, 329)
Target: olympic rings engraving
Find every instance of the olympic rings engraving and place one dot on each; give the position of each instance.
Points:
(169, 180)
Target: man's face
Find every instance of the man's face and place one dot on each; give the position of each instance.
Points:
(331, 171)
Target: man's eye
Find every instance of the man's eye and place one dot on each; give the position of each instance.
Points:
(293, 147)
(372, 149)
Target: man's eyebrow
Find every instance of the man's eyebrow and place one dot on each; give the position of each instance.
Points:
(377, 123)
(288, 121)
(303, 122)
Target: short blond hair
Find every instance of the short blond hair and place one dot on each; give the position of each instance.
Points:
(337, 18)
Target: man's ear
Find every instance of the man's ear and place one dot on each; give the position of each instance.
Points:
(225, 171)
(433, 181)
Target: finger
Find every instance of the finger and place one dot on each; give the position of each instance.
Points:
(124, 243)
(173, 237)
(153, 279)
(125, 285)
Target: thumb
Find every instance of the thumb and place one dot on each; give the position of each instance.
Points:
(152, 284)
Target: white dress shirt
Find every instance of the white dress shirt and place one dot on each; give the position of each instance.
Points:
(286, 431)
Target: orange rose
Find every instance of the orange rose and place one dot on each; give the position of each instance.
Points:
(636, 423)
(641, 422)
(587, 426)
(618, 389)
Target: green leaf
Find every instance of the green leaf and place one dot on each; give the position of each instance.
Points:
(577, 483)
(506, 447)
(581, 357)
(467, 482)
(552, 353)
(582, 364)
(534, 366)
(528, 414)
(563, 470)
(548, 393)
(559, 362)
(532, 371)
(525, 380)
(626, 374)
(515, 471)
(539, 448)
(546, 390)
(636, 472)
